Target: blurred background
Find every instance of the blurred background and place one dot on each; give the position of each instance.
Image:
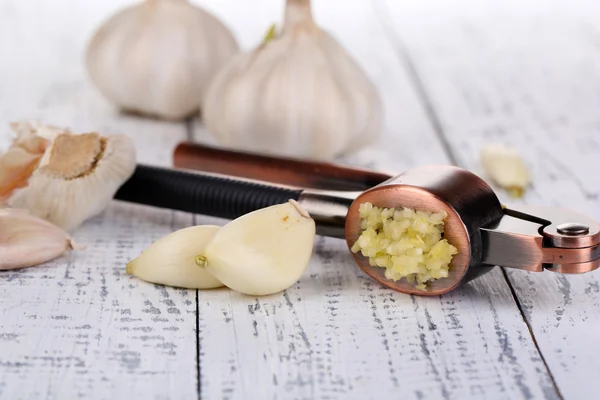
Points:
(452, 77)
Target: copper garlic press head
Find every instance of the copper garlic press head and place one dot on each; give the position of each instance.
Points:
(469, 202)
(486, 233)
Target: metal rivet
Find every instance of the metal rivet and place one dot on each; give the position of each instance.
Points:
(573, 229)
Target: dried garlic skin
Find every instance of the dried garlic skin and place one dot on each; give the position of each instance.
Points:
(77, 178)
(157, 57)
(27, 241)
(26, 130)
(505, 166)
(16, 166)
(262, 252)
(298, 94)
(20, 160)
(171, 260)
(407, 243)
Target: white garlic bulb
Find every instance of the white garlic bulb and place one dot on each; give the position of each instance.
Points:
(157, 58)
(263, 252)
(26, 240)
(506, 168)
(76, 178)
(298, 94)
(171, 260)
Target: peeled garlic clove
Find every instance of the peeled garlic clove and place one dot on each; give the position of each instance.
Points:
(77, 178)
(171, 260)
(298, 94)
(263, 252)
(506, 168)
(26, 240)
(157, 57)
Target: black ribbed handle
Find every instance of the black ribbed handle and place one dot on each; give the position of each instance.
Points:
(198, 193)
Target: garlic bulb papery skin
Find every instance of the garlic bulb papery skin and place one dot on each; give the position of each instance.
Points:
(299, 94)
(27, 241)
(77, 178)
(156, 58)
(505, 167)
(171, 260)
(21, 159)
(262, 252)
(16, 166)
(28, 130)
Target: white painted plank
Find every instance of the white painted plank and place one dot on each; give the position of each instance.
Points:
(338, 334)
(79, 327)
(528, 76)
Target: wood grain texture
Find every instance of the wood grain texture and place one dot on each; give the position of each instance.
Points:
(79, 327)
(338, 334)
(527, 76)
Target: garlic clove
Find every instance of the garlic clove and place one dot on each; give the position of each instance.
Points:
(171, 260)
(77, 178)
(505, 167)
(26, 240)
(262, 252)
(298, 93)
(157, 57)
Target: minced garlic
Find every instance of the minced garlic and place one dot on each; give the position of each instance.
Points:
(407, 243)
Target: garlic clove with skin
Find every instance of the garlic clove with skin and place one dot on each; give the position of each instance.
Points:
(171, 260)
(262, 252)
(26, 240)
(505, 167)
(77, 178)
(156, 58)
(297, 94)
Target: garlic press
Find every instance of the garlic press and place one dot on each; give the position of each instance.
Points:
(228, 184)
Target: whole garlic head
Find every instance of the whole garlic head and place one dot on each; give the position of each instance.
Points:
(157, 58)
(76, 178)
(298, 94)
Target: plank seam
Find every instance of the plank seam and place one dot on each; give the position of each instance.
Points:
(402, 52)
(189, 134)
(189, 129)
(518, 303)
(198, 346)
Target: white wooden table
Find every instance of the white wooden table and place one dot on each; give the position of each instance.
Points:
(453, 75)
